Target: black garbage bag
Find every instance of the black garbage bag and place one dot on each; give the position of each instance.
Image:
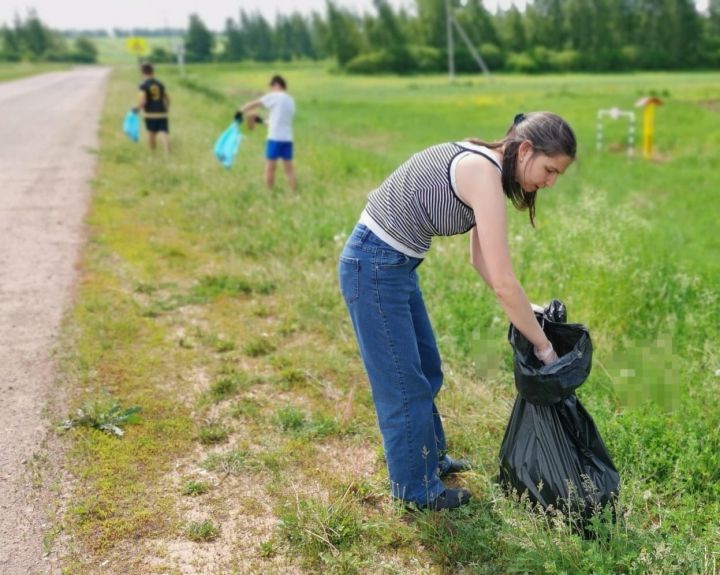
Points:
(552, 449)
(547, 384)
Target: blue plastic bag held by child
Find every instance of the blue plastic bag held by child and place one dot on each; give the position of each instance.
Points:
(227, 145)
(131, 125)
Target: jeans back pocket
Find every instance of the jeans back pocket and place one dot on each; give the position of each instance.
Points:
(349, 276)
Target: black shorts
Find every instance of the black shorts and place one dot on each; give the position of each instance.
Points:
(157, 125)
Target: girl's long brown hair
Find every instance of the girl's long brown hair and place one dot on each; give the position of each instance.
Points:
(548, 133)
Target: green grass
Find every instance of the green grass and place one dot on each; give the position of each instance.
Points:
(258, 346)
(194, 488)
(202, 531)
(213, 432)
(229, 462)
(227, 386)
(206, 297)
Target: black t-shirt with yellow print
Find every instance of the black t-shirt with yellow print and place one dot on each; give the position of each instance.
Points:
(154, 96)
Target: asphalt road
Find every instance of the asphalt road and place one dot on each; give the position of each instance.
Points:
(48, 129)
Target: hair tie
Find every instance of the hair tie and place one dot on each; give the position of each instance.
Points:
(518, 118)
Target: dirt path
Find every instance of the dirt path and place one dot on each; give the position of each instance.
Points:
(48, 123)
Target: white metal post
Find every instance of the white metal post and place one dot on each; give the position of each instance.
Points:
(179, 49)
(614, 114)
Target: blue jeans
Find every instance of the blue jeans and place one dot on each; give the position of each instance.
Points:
(397, 344)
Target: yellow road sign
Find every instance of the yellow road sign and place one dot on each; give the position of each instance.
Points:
(137, 46)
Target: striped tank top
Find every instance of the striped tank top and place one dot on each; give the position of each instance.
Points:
(419, 199)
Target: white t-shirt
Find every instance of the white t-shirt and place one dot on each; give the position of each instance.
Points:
(282, 110)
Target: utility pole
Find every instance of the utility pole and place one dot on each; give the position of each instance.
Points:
(451, 55)
(450, 22)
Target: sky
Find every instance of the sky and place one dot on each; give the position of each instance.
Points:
(93, 14)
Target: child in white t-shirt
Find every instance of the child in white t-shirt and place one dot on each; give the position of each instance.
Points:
(281, 107)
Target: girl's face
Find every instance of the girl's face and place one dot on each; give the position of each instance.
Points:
(536, 170)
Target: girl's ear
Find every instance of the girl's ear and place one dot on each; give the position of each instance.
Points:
(525, 148)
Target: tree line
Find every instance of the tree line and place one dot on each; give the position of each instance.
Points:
(29, 39)
(549, 35)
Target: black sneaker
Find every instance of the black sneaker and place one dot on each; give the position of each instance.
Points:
(456, 466)
(448, 499)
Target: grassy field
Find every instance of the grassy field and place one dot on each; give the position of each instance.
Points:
(113, 51)
(212, 304)
(15, 70)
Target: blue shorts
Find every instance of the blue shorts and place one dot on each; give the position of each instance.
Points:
(275, 149)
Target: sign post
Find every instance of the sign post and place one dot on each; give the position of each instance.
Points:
(179, 49)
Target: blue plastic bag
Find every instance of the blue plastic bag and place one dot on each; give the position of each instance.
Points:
(131, 125)
(227, 145)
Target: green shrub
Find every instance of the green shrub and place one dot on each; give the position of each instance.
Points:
(290, 418)
(541, 55)
(160, 55)
(291, 377)
(213, 432)
(257, 346)
(104, 414)
(370, 63)
(630, 56)
(493, 56)
(227, 386)
(565, 60)
(398, 61)
(84, 51)
(9, 57)
(521, 62)
(201, 531)
(195, 488)
(427, 58)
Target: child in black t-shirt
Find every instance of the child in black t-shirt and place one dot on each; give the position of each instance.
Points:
(155, 103)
